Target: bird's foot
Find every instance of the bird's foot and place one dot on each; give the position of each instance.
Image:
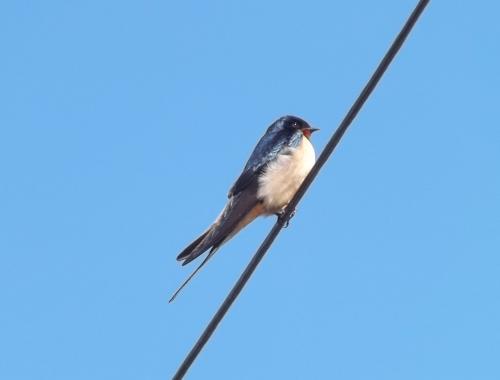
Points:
(281, 216)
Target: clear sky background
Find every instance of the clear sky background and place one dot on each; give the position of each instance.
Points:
(124, 123)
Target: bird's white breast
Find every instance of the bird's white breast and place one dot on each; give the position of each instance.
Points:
(282, 178)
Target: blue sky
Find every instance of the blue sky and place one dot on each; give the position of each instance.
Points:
(123, 125)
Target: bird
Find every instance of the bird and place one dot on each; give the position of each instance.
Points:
(272, 175)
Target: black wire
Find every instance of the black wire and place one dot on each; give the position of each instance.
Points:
(325, 154)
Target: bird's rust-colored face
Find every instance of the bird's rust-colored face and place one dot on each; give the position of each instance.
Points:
(308, 131)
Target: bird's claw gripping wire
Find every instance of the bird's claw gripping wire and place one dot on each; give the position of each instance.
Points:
(286, 221)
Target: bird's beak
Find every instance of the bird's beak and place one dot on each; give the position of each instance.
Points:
(313, 129)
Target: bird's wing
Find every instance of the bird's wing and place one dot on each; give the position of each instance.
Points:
(272, 144)
(227, 224)
(239, 211)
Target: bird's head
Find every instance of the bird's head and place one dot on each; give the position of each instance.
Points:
(296, 123)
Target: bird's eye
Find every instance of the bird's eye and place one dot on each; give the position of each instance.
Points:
(294, 124)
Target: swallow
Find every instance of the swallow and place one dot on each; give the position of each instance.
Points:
(276, 168)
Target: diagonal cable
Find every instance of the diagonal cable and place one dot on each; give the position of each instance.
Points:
(325, 154)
